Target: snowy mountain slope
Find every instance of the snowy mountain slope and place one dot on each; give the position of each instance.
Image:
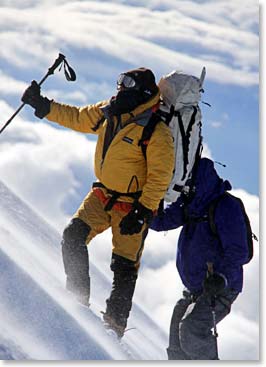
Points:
(40, 320)
(9, 350)
(32, 317)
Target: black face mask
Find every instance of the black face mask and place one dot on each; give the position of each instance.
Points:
(125, 101)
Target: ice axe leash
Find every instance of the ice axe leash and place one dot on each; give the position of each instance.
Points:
(69, 74)
(213, 304)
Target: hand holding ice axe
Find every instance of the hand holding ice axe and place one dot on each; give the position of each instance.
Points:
(214, 282)
(32, 95)
(213, 285)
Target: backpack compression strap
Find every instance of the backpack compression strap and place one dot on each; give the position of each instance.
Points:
(148, 131)
(208, 217)
(185, 137)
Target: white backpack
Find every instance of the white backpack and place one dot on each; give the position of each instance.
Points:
(180, 94)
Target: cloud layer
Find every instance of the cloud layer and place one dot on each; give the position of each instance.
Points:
(184, 37)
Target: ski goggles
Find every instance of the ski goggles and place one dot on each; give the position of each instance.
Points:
(125, 81)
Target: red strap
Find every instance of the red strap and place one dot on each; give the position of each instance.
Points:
(120, 206)
(155, 107)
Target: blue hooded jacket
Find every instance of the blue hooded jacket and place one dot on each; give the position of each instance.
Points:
(197, 245)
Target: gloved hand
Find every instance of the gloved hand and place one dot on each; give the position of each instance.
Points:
(32, 96)
(214, 284)
(132, 223)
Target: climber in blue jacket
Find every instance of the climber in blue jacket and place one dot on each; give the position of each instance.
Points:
(210, 266)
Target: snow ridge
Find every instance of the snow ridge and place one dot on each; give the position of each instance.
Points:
(41, 321)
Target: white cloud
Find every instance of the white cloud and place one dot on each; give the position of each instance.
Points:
(52, 164)
(225, 116)
(238, 338)
(138, 35)
(236, 13)
(9, 85)
(216, 124)
(206, 151)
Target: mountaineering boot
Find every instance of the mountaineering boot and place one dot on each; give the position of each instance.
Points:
(111, 324)
(119, 304)
(76, 260)
(176, 353)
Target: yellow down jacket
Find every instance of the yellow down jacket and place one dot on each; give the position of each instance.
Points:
(123, 167)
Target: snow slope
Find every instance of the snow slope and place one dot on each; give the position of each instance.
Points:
(40, 320)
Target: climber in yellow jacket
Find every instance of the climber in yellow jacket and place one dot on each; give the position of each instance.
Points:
(130, 184)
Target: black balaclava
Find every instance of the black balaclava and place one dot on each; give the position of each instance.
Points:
(127, 99)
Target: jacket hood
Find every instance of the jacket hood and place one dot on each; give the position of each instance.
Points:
(208, 186)
(139, 110)
(145, 106)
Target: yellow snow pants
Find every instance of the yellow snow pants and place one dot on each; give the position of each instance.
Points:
(92, 212)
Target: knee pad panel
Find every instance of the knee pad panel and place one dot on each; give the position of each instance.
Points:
(77, 231)
(120, 264)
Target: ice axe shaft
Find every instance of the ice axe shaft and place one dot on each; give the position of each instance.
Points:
(210, 268)
(11, 118)
(210, 272)
(215, 332)
(50, 71)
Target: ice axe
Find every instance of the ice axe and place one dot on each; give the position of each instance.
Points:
(69, 74)
(213, 302)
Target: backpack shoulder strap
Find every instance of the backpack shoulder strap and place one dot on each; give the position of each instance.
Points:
(148, 131)
(211, 213)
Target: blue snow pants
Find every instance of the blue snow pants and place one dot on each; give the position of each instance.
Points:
(191, 336)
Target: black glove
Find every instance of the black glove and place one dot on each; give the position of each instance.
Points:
(32, 96)
(214, 284)
(132, 223)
